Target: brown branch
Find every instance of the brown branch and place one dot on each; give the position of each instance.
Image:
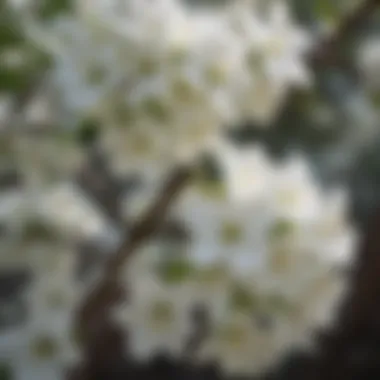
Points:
(93, 311)
(326, 53)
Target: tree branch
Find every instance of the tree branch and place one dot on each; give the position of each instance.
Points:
(95, 307)
(93, 313)
(326, 53)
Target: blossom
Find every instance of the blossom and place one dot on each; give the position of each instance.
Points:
(65, 206)
(171, 75)
(266, 263)
(246, 171)
(156, 316)
(45, 345)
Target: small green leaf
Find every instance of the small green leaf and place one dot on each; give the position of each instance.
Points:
(277, 304)
(282, 228)
(44, 347)
(77, 337)
(212, 275)
(156, 109)
(13, 80)
(327, 10)
(88, 132)
(375, 97)
(125, 115)
(52, 8)
(35, 230)
(175, 271)
(242, 299)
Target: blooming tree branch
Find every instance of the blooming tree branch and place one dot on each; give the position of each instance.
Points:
(99, 299)
(96, 306)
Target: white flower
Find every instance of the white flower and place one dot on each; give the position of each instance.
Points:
(295, 193)
(45, 345)
(54, 290)
(332, 231)
(69, 210)
(240, 346)
(156, 318)
(40, 351)
(247, 171)
(45, 159)
(176, 75)
(223, 230)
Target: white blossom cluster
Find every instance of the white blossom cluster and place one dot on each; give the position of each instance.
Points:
(266, 257)
(266, 248)
(164, 78)
(42, 345)
(43, 219)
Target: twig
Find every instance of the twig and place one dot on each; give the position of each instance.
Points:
(326, 53)
(100, 299)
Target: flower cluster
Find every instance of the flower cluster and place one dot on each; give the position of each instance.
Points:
(264, 258)
(37, 342)
(164, 78)
(40, 232)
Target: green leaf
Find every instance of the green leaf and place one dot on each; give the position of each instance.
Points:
(327, 10)
(35, 230)
(175, 271)
(44, 347)
(9, 36)
(52, 8)
(242, 299)
(156, 109)
(88, 132)
(375, 98)
(278, 304)
(281, 229)
(13, 80)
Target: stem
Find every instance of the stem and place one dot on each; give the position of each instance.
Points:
(94, 308)
(326, 53)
